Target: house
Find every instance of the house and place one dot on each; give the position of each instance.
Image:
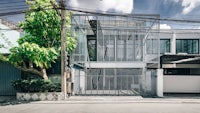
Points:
(9, 34)
(130, 55)
(180, 60)
(113, 54)
(127, 55)
(8, 37)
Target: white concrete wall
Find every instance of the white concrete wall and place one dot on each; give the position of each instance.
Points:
(11, 35)
(115, 65)
(159, 83)
(181, 84)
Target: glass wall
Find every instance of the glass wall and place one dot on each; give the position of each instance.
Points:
(119, 45)
(79, 54)
(151, 44)
(164, 46)
(91, 46)
(114, 38)
(190, 46)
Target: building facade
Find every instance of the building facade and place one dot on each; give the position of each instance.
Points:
(8, 37)
(113, 53)
(180, 60)
(130, 55)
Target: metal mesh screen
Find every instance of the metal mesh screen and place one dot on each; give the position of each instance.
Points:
(119, 39)
(111, 82)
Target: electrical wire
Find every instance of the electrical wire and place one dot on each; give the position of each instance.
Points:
(111, 14)
(137, 16)
(13, 2)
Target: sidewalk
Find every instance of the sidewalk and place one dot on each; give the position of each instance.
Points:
(106, 99)
(122, 99)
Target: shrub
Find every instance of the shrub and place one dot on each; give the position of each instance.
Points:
(35, 85)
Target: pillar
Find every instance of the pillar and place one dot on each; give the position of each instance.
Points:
(159, 81)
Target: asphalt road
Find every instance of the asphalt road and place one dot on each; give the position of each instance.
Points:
(102, 107)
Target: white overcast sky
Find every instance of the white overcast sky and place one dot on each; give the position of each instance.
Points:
(175, 9)
(171, 9)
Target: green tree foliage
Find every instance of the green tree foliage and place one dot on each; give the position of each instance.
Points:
(43, 26)
(43, 23)
(40, 46)
(27, 56)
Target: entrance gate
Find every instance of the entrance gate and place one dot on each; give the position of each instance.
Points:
(108, 82)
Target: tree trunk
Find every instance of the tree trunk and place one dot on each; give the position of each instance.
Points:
(44, 74)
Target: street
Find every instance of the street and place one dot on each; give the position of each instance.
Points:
(141, 106)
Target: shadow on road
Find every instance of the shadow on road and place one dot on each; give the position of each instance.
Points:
(11, 100)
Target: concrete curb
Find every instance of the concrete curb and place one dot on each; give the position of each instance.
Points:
(119, 100)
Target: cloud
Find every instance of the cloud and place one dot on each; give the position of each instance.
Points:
(171, 1)
(125, 6)
(189, 5)
(165, 26)
(162, 26)
(176, 1)
(196, 27)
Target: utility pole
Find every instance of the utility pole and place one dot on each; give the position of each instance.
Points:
(63, 49)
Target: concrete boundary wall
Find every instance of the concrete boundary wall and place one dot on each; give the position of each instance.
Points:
(181, 84)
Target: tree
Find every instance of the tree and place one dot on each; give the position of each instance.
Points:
(35, 56)
(40, 46)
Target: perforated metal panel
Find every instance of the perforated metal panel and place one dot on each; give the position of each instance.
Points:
(109, 82)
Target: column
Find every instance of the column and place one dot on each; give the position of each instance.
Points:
(159, 84)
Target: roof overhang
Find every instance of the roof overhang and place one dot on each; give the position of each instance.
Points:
(180, 61)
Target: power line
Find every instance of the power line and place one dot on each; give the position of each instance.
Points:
(133, 16)
(14, 9)
(109, 14)
(11, 6)
(14, 2)
(12, 13)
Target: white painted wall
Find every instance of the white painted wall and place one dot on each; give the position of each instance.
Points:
(173, 43)
(181, 84)
(82, 80)
(159, 83)
(115, 65)
(12, 36)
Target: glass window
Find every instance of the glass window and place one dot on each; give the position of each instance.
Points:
(164, 46)
(121, 45)
(92, 49)
(109, 51)
(130, 48)
(190, 46)
(151, 46)
(138, 47)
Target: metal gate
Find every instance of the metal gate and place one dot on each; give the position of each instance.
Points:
(7, 74)
(108, 82)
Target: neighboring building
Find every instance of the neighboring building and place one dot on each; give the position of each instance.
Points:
(180, 60)
(9, 34)
(8, 37)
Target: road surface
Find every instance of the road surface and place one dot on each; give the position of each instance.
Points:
(103, 107)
